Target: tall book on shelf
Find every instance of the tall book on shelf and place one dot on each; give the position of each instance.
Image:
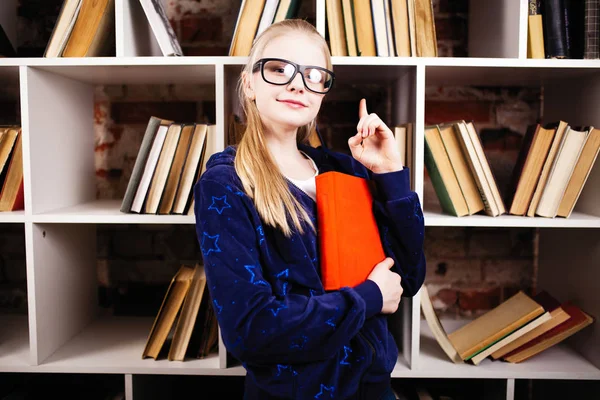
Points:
(140, 162)
(161, 27)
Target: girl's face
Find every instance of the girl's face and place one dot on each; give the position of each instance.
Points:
(291, 105)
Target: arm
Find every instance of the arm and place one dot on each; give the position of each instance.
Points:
(400, 218)
(257, 325)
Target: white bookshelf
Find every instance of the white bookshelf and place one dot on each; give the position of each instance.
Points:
(64, 331)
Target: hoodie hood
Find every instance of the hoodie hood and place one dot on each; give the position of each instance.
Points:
(225, 157)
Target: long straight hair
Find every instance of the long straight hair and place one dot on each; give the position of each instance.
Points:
(261, 178)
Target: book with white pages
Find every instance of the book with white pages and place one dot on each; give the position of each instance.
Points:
(436, 327)
(400, 136)
(559, 136)
(479, 357)
(161, 27)
(267, 16)
(563, 167)
(476, 167)
(142, 190)
(62, 30)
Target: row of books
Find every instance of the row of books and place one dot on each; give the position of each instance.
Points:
(460, 173)
(186, 324)
(171, 158)
(553, 165)
(11, 169)
(385, 28)
(254, 17)
(87, 29)
(563, 29)
(514, 331)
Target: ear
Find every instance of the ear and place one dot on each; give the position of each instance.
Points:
(247, 85)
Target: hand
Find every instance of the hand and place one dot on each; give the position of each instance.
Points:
(374, 145)
(389, 284)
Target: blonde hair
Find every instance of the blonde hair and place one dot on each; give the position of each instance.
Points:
(261, 178)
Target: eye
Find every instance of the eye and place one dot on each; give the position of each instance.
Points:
(288, 70)
(314, 75)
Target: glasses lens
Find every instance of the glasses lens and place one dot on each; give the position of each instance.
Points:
(281, 72)
(278, 72)
(319, 80)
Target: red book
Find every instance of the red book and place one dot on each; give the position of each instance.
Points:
(577, 321)
(349, 241)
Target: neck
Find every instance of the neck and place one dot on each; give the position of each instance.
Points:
(282, 145)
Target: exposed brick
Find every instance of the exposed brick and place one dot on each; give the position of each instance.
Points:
(516, 272)
(451, 28)
(15, 270)
(446, 232)
(132, 243)
(443, 248)
(139, 112)
(460, 49)
(196, 28)
(447, 296)
(453, 270)
(336, 112)
(443, 111)
(500, 139)
(489, 242)
(451, 6)
(479, 298)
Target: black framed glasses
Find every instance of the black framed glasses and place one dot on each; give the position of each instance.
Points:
(278, 71)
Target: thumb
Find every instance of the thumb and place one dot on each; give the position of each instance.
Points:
(388, 262)
(355, 141)
(362, 108)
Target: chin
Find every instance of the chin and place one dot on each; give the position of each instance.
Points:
(293, 122)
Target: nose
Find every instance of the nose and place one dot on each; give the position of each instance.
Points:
(297, 83)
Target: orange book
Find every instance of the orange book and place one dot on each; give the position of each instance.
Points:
(349, 241)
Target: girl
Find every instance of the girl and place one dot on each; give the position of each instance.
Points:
(256, 225)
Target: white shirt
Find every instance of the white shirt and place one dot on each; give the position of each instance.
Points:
(309, 185)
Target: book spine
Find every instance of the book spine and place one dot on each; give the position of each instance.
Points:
(437, 181)
(140, 163)
(476, 169)
(591, 30)
(555, 29)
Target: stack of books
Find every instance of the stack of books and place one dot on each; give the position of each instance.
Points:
(386, 28)
(171, 159)
(551, 169)
(460, 173)
(11, 168)
(254, 17)
(514, 331)
(186, 324)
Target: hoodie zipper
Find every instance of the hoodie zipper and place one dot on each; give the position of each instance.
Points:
(361, 383)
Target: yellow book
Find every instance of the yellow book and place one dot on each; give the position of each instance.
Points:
(495, 324)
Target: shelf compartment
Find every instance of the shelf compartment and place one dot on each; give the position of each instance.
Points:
(115, 345)
(557, 362)
(106, 212)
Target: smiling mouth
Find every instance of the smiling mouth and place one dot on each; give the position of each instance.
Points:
(292, 103)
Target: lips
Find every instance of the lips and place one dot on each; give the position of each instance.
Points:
(293, 102)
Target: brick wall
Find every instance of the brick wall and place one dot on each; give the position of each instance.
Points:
(469, 269)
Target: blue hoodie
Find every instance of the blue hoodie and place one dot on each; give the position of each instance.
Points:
(296, 340)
